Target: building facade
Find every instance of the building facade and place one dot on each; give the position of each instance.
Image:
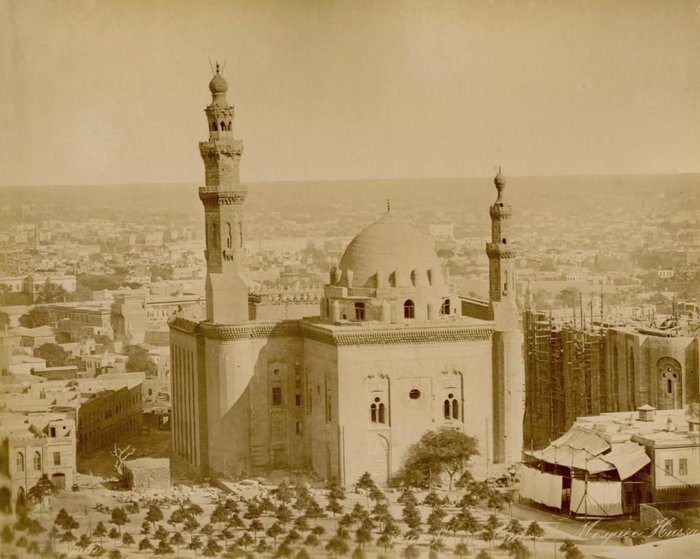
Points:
(576, 371)
(31, 447)
(390, 355)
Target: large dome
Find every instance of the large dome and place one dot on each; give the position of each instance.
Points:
(388, 245)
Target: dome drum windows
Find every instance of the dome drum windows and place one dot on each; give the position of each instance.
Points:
(359, 311)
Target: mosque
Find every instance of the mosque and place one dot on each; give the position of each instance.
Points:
(394, 351)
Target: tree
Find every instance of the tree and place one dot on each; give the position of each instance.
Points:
(43, 488)
(334, 506)
(571, 550)
(256, 526)
(119, 517)
(140, 361)
(445, 450)
(154, 514)
(177, 540)
(302, 554)
(461, 549)
(35, 317)
(84, 541)
(50, 293)
(120, 457)
(283, 514)
(516, 549)
(435, 520)
(274, 531)
(245, 540)
(514, 527)
(358, 553)
(534, 531)
(212, 548)
(54, 354)
(195, 544)
(115, 554)
(114, 535)
(363, 536)
(127, 539)
(160, 533)
(145, 544)
(411, 516)
(483, 554)
(337, 546)
(411, 551)
(163, 548)
(99, 531)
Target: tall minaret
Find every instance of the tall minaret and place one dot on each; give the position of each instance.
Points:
(507, 350)
(223, 198)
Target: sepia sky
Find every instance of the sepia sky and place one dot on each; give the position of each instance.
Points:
(114, 91)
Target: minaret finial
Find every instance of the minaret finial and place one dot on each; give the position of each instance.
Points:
(388, 205)
(500, 181)
(218, 67)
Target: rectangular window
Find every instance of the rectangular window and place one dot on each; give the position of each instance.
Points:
(683, 467)
(56, 458)
(53, 431)
(300, 428)
(277, 396)
(297, 399)
(668, 467)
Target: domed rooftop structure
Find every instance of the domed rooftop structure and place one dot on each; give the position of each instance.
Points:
(388, 245)
(218, 84)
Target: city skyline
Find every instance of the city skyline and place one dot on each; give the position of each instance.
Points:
(334, 90)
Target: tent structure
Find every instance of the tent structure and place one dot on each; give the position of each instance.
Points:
(584, 468)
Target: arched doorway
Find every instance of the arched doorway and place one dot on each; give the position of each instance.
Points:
(378, 458)
(59, 481)
(21, 502)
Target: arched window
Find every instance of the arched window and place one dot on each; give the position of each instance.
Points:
(451, 407)
(20, 462)
(223, 125)
(359, 311)
(229, 125)
(445, 309)
(214, 127)
(377, 411)
(409, 309)
(228, 235)
(37, 461)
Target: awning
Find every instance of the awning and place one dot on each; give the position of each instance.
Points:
(583, 449)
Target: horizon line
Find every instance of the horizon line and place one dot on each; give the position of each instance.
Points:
(283, 181)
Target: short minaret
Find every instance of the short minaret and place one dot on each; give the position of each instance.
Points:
(223, 196)
(507, 350)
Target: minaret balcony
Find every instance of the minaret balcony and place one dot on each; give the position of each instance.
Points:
(499, 250)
